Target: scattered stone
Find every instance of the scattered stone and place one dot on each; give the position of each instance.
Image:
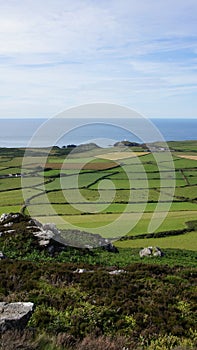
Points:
(150, 252)
(11, 217)
(43, 242)
(145, 252)
(9, 231)
(157, 252)
(82, 271)
(4, 217)
(15, 315)
(8, 224)
(14, 216)
(116, 272)
(2, 256)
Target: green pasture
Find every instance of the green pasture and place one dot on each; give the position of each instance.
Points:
(186, 192)
(50, 173)
(74, 181)
(59, 172)
(133, 203)
(175, 220)
(78, 160)
(187, 241)
(10, 170)
(192, 180)
(150, 207)
(151, 166)
(147, 158)
(181, 163)
(10, 183)
(190, 173)
(56, 194)
(44, 187)
(10, 209)
(183, 146)
(122, 175)
(10, 197)
(11, 162)
(143, 183)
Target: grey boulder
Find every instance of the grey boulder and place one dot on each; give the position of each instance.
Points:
(151, 252)
(15, 315)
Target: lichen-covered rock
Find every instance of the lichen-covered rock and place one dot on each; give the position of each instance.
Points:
(150, 252)
(47, 237)
(157, 252)
(15, 315)
(5, 217)
(145, 252)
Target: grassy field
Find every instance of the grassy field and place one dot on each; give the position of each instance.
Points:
(136, 180)
(120, 155)
(186, 241)
(183, 146)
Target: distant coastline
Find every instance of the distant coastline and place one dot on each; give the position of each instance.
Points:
(18, 132)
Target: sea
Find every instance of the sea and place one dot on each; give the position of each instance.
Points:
(105, 132)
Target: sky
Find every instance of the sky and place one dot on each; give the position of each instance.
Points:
(56, 54)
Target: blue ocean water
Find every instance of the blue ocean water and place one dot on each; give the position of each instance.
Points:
(18, 132)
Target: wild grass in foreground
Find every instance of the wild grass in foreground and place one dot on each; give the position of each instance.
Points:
(144, 306)
(29, 341)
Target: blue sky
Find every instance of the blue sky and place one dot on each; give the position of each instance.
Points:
(56, 54)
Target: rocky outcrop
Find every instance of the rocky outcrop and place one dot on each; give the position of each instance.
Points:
(48, 237)
(151, 252)
(14, 315)
(7, 218)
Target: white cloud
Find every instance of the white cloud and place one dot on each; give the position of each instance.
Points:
(61, 53)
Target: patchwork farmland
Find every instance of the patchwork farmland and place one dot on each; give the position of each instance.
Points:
(50, 182)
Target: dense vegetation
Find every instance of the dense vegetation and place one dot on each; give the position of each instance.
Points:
(88, 299)
(120, 301)
(143, 303)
